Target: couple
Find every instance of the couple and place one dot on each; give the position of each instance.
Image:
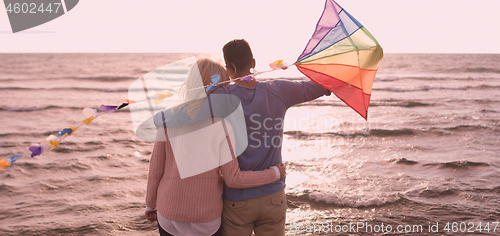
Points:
(243, 193)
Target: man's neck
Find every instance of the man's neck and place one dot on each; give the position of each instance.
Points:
(249, 84)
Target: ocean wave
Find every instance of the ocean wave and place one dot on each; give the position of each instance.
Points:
(75, 167)
(28, 109)
(320, 103)
(106, 90)
(30, 134)
(458, 165)
(435, 78)
(64, 80)
(418, 89)
(466, 69)
(494, 190)
(373, 103)
(374, 132)
(433, 193)
(488, 111)
(114, 179)
(337, 200)
(68, 89)
(455, 165)
(98, 158)
(6, 189)
(90, 78)
(7, 144)
(396, 132)
(481, 70)
(86, 148)
(400, 103)
(383, 133)
(403, 161)
(324, 199)
(469, 128)
(170, 71)
(477, 101)
(403, 78)
(15, 88)
(483, 101)
(63, 229)
(411, 104)
(111, 132)
(430, 88)
(50, 107)
(84, 207)
(105, 78)
(484, 87)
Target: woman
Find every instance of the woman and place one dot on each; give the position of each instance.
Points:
(190, 203)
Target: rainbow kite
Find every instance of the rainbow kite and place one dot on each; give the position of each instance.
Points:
(343, 57)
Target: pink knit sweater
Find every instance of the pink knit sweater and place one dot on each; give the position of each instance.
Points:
(196, 198)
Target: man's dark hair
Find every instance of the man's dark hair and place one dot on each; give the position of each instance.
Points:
(238, 55)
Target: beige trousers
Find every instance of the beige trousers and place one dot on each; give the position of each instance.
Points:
(264, 215)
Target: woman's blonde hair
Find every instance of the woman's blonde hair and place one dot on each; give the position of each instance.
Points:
(193, 91)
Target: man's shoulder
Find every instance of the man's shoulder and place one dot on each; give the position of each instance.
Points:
(281, 86)
(282, 83)
(274, 87)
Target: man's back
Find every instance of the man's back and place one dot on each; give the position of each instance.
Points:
(264, 108)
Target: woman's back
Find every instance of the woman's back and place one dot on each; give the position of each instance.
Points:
(190, 185)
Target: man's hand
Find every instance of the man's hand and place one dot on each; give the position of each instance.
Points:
(151, 215)
(282, 169)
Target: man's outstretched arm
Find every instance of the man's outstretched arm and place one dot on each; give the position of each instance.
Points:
(293, 93)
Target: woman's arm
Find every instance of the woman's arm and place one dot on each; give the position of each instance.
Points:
(231, 173)
(236, 178)
(156, 169)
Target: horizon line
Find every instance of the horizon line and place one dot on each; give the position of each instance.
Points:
(173, 52)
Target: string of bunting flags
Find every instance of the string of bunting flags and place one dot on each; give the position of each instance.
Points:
(90, 114)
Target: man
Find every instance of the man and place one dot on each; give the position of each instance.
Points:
(260, 209)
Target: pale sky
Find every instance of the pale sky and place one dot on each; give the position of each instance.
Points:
(274, 29)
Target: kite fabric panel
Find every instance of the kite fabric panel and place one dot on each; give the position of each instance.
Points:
(343, 57)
